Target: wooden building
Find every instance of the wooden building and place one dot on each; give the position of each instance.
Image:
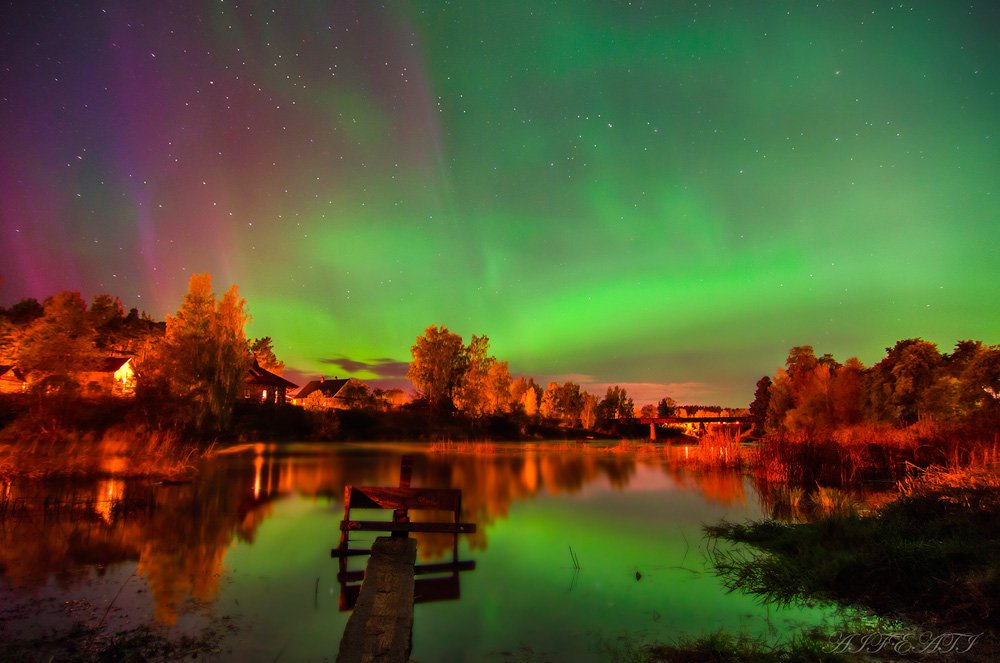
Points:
(108, 376)
(12, 381)
(263, 386)
(336, 394)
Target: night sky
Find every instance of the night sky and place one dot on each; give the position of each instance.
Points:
(666, 195)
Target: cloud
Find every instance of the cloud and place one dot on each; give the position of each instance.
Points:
(383, 368)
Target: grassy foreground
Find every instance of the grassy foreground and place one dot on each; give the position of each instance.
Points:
(931, 558)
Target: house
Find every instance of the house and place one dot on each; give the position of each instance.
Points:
(336, 394)
(114, 376)
(263, 386)
(12, 381)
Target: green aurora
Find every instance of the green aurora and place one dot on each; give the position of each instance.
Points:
(663, 195)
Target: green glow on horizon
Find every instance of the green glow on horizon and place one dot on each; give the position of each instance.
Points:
(636, 193)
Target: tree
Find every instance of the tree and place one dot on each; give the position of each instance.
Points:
(263, 351)
(648, 411)
(471, 396)
(498, 398)
(204, 355)
(59, 344)
(981, 384)
(569, 402)
(232, 359)
(105, 310)
(523, 394)
(900, 379)
(588, 412)
(25, 311)
(667, 407)
(357, 394)
(847, 393)
(547, 405)
(438, 365)
(761, 400)
(616, 404)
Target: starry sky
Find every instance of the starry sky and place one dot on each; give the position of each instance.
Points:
(665, 195)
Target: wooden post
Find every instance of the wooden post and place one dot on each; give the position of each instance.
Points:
(652, 431)
(381, 627)
(405, 475)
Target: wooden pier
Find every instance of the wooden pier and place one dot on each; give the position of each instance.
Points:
(380, 628)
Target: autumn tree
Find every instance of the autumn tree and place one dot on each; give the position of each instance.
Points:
(524, 394)
(263, 351)
(357, 394)
(59, 344)
(588, 410)
(847, 393)
(438, 365)
(569, 402)
(616, 404)
(105, 311)
(548, 406)
(498, 398)
(900, 379)
(666, 407)
(470, 396)
(25, 311)
(981, 385)
(761, 400)
(205, 355)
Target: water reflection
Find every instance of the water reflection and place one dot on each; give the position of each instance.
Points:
(178, 536)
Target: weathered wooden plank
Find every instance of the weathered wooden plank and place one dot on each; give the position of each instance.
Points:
(390, 497)
(389, 526)
(381, 627)
(418, 570)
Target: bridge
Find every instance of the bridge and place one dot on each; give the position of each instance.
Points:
(667, 421)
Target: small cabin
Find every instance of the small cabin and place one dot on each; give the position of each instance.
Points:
(108, 376)
(263, 386)
(336, 394)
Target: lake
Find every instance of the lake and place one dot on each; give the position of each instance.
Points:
(581, 550)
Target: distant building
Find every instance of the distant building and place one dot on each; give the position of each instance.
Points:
(336, 394)
(263, 386)
(12, 381)
(108, 376)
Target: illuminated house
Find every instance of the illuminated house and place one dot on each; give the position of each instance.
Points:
(114, 376)
(11, 381)
(263, 386)
(323, 394)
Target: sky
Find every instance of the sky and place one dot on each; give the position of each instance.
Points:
(663, 195)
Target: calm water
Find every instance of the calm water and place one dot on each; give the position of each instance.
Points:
(248, 545)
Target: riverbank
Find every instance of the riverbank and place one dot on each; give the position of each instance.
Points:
(930, 560)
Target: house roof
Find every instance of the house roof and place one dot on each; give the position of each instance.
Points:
(11, 370)
(112, 364)
(260, 375)
(329, 388)
(105, 364)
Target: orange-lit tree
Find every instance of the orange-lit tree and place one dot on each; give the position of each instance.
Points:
(205, 356)
(438, 365)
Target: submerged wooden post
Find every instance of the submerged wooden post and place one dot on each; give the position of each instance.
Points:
(381, 627)
(405, 474)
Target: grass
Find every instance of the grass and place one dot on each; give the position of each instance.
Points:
(722, 646)
(144, 644)
(853, 454)
(118, 451)
(932, 557)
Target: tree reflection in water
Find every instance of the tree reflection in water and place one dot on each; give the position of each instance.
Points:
(178, 535)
